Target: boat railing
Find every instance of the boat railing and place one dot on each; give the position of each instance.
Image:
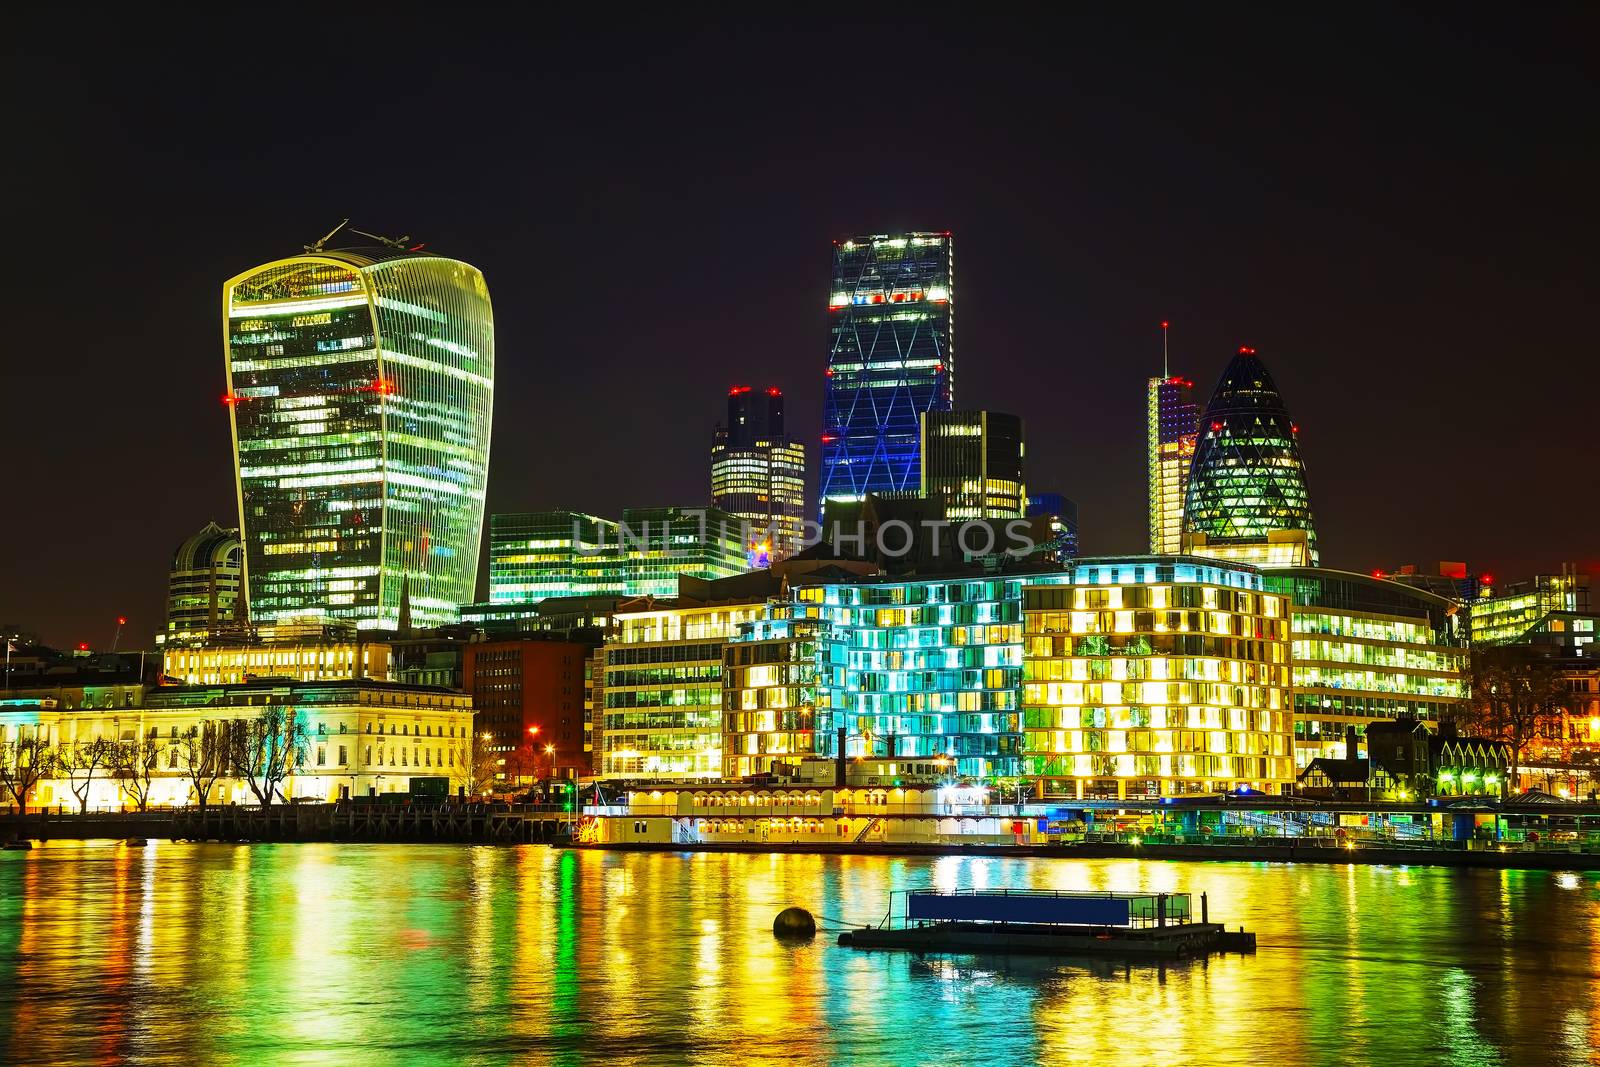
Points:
(1144, 910)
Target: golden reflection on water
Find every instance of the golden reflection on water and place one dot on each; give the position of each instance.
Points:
(179, 953)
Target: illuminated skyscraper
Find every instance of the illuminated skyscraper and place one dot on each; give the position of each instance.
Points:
(972, 464)
(360, 390)
(1172, 422)
(758, 474)
(891, 359)
(1247, 498)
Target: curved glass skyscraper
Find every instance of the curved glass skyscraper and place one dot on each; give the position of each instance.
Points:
(360, 389)
(1247, 498)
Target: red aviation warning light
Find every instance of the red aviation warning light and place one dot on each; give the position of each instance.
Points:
(122, 620)
(231, 400)
(774, 391)
(738, 390)
(1245, 350)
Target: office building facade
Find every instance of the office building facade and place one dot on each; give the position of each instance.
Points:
(758, 474)
(891, 358)
(1062, 514)
(1156, 676)
(1247, 499)
(770, 672)
(537, 555)
(360, 393)
(662, 690)
(922, 669)
(1367, 650)
(203, 587)
(1172, 430)
(972, 464)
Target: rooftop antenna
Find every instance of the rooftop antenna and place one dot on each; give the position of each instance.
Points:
(313, 249)
(1164, 372)
(392, 242)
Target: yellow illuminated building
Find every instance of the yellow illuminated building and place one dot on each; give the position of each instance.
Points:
(360, 736)
(302, 662)
(769, 680)
(663, 690)
(1156, 676)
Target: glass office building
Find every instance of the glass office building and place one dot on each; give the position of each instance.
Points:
(360, 392)
(1156, 676)
(662, 691)
(534, 555)
(891, 358)
(203, 586)
(758, 474)
(769, 688)
(1063, 515)
(1247, 498)
(972, 464)
(1172, 425)
(1367, 650)
(922, 668)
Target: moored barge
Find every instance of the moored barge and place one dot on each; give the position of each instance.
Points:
(1145, 925)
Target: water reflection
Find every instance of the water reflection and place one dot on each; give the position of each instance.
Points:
(185, 953)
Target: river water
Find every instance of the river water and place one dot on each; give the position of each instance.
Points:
(312, 953)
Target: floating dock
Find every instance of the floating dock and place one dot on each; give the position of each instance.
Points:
(1149, 925)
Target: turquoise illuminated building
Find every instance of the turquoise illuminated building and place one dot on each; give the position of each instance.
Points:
(918, 668)
(360, 393)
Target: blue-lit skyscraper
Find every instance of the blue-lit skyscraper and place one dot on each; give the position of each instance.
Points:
(891, 358)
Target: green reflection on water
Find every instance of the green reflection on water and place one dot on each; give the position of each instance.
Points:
(183, 953)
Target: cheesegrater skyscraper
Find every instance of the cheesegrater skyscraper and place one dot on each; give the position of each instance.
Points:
(891, 358)
(360, 392)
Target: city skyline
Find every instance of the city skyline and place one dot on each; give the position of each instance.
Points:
(1228, 238)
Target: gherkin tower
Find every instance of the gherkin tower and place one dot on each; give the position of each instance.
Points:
(1248, 483)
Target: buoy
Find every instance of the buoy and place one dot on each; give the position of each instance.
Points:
(794, 922)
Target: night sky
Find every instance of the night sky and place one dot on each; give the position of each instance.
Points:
(1399, 212)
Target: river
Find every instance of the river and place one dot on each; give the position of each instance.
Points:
(314, 953)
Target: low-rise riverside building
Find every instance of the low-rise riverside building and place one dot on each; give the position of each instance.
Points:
(361, 738)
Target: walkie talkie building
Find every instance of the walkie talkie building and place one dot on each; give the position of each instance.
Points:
(360, 391)
(891, 359)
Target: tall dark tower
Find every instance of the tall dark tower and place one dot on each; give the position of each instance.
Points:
(759, 475)
(1247, 497)
(891, 359)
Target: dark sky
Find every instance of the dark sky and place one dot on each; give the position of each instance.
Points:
(1399, 212)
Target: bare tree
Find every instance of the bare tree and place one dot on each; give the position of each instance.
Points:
(81, 762)
(24, 763)
(477, 765)
(133, 765)
(269, 748)
(203, 751)
(1516, 694)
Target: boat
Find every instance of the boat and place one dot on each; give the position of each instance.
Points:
(1141, 925)
(20, 845)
